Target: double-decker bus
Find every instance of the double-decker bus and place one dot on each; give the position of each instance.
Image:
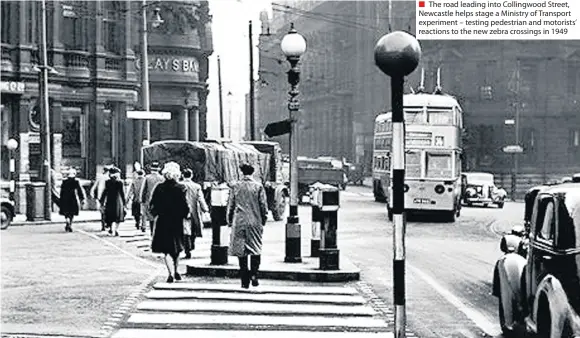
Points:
(433, 126)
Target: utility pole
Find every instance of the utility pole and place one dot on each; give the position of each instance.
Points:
(45, 117)
(220, 97)
(517, 131)
(145, 96)
(252, 107)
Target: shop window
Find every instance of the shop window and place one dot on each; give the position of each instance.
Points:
(6, 31)
(72, 132)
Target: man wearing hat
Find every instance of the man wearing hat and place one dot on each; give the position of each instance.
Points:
(97, 191)
(151, 181)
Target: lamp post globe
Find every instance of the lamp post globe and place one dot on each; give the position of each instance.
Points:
(12, 144)
(397, 54)
(293, 44)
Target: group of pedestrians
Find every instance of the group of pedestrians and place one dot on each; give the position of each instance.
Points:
(172, 204)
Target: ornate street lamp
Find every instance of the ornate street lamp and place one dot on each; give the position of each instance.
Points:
(397, 54)
(293, 46)
(145, 96)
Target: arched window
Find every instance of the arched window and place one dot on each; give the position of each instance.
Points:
(113, 14)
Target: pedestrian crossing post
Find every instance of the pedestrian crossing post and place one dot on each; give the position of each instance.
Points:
(316, 219)
(397, 54)
(326, 198)
(220, 230)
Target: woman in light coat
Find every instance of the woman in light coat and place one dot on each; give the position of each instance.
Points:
(247, 214)
(197, 205)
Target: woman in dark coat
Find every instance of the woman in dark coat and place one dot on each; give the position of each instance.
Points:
(169, 206)
(72, 196)
(113, 201)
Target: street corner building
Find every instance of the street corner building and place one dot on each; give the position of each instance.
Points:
(94, 58)
(512, 92)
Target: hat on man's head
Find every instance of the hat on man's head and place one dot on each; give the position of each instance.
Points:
(154, 166)
(114, 170)
(247, 169)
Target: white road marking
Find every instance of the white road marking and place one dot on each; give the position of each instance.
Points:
(475, 316)
(127, 253)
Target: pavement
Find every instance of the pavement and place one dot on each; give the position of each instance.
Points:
(272, 266)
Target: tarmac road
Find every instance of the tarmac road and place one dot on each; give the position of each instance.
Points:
(449, 266)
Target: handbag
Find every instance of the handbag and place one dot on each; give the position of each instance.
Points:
(187, 226)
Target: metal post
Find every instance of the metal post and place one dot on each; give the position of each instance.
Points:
(397, 54)
(251, 98)
(293, 234)
(219, 248)
(145, 70)
(397, 84)
(45, 119)
(315, 239)
(221, 102)
(12, 167)
(517, 132)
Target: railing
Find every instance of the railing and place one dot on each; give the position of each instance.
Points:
(114, 64)
(76, 59)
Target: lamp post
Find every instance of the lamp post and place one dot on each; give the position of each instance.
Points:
(45, 117)
(12, 145)
(397, 54)
(145, 96)
(293, 46)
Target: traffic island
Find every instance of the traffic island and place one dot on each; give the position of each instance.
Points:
(274, 267)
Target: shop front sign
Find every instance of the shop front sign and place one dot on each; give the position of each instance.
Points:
(165, 64)
(12, 87)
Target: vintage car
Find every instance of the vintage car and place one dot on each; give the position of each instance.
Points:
(7, 212)
(479, 187)
(539, 288)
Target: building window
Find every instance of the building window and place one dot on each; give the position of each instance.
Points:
(5, 22)
(31, 27)
(529, 143)
(528, 78)
(485, 71)
(73, 34)
(112, 25)
(573, 76)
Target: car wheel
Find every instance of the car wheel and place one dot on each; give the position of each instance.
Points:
(500, 205)
(6, 218)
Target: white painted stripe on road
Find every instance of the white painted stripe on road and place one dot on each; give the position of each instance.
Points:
(164, 333)
(475, 316)
(256, 297)
(325, 290)
(127, 253)
(251, 307)
(212, 319)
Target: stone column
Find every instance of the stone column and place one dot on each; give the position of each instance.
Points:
(194, 124)
(183, 124)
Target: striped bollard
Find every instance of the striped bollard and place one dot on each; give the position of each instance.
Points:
(220, 229)
(12, 145)
(397, 54)
(316, 221)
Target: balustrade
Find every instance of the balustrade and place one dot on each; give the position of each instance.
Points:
(114, 64)
(76, 59)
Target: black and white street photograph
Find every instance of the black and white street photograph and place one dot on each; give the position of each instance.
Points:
(284, 168)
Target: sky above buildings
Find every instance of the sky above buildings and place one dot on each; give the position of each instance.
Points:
(231, 43)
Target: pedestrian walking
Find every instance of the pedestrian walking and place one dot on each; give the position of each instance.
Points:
(169, 206)
(97, 190)
(113, 201)
(197, 206)
(72, 195)
(134, 196)
(151, 181)
(247, 213)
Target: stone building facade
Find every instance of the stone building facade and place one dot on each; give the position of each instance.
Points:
(342, 91)
(93, 48)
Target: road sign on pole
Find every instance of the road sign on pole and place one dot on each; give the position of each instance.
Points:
(148, 115)
(278, 128)
(513, 149)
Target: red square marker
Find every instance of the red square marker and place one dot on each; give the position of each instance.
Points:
(421, 3)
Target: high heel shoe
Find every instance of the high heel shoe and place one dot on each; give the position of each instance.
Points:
(177, 276)
(170, 279)
(255, 281)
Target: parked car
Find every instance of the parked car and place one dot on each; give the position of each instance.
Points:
(7, 212)
(539, 288)
(479, 187)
